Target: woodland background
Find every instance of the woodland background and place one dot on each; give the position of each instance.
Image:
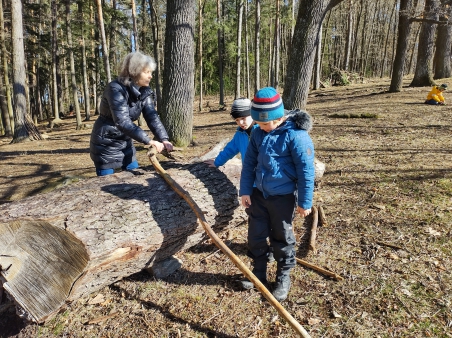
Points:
(60, 53)
(366, 67)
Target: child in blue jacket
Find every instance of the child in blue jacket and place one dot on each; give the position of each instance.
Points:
(277, 179)
(240, 112)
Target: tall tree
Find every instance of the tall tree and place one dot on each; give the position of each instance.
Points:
(301, 57)
(84, 63)
(220, 51)
(156, 39)
(247, 56)
(106, 59)
(441, 61)
(4, 70)
(200, 10)
(239, 50)
(24, 129)
(72, 65)
(257, 31)
(423, 74)
(404, 29)
(134, 22)
(178, 74)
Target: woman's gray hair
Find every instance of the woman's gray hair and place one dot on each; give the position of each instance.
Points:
(133, 64)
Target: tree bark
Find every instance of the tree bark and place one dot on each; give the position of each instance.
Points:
(95, 232)
(301, 58)
(178, 74)
(72, 66)
(24, 129)
(4, 70)
(404, 29)
(238, 62)
(84, 63)
(104, 40)
(220, 53)
(441, 63)
(423, 74)
(257, 32)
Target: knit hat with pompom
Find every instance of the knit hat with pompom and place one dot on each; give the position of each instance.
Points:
(267, 105)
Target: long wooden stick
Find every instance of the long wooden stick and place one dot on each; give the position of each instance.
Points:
(219, 243)
(319, 269)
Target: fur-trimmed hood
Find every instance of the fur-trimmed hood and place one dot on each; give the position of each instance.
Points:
(301, 118)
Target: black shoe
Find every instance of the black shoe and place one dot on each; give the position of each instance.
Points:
(247, 284)
(282, 288)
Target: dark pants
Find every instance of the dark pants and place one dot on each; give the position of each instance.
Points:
(105, 172)
(432, 102)
(271, 217)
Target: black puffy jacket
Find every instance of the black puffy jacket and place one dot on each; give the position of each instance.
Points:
(111, 143)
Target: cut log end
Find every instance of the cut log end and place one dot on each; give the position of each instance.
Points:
(40, 263)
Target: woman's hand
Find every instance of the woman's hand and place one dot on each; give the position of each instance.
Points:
(159, 146)
(303, 212)
(168, 145)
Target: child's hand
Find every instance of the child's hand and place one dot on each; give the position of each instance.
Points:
(246, 201)
(302, 212)
(210, 163)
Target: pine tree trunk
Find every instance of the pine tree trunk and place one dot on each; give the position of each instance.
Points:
(423, 74)
(200, 11)
(178, 91)
(84, 64)
(5, 71)
(72, 65)
(134, 21)
(100, 17)
(24, 129)
(156, 40)
(220, 53)
(239, 50)
(442, 64)
(402, 46)
(257, 32)
(304, 43)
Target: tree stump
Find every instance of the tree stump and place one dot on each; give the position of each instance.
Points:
(63, 245)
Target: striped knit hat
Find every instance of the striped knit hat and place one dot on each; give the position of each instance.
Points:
(240, 108)
(267, 105)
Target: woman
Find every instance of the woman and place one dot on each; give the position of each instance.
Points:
(123, 101)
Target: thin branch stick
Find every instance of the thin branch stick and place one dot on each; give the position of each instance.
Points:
(322, 217)
(315, 221)
(319, 269)
(390, 245)
(219, 243)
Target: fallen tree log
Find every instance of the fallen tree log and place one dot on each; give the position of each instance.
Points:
(63, 245)
(66, 244)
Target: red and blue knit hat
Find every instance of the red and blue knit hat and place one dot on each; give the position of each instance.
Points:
(267, 105)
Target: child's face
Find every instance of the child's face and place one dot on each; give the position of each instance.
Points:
(244, 122)
(270, 125)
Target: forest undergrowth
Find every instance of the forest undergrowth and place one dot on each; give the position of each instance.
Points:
(387, 194)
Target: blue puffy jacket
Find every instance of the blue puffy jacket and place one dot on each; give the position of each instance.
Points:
(238, 144)
(281, 161)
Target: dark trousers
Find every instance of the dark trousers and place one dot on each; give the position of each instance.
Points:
(433, 102)
(271, 217)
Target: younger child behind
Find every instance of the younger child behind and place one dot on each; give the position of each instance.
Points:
(278, 165)
(435, 97)
(240, 112)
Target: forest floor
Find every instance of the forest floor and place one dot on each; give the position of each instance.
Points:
(388, 181)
